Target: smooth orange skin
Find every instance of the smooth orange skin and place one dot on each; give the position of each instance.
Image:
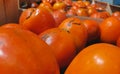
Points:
(25, 15)
(67, 2)
(62, 45)
(79, 4)
(40, 20)
(117, 13)
(87, 3)
(22, 52)
(82, 12)
(49, 1)
(93, 29)
(101, 58)
(77, 30)
(59, 16)
(92, 11)
(110, 30)
(11, 25)
(59, 5)
(46, 5)
(101, 15)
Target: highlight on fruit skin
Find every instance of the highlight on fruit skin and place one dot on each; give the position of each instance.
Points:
(62, 45)
(110, 30)
(22, 52)
(37, 22)
(77, 30)
(100, 58)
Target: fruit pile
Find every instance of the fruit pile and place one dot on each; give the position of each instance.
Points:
(47, 41)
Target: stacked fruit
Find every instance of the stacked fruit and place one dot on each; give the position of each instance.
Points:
(46, 41)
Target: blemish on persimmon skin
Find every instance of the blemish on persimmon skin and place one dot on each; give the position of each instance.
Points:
(69, 23)
(30, 14)
(76, 23)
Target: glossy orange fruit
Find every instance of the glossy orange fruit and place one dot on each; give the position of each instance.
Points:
(46, 5)
(92, 11)
(82, 12)
(40, 20)
(25, 15)
(79, 4)
(110, 30)
(49, 1)
(59, 16)
(77, 30)
(101, 58)
(93, 29)
(59, 5)
(22, 52)
(102, 15)
(117, 13)
(62, 45)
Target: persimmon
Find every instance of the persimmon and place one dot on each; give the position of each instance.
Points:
(68, 2)
(79, 4)
(46, 5)
(87, 3)
(40, 20)
(101, 58)
(92, 11)
(110, 30)
(25, 15)
(82, 12)
(116, 14)
(77, 30)
(49, 1)
(93, 30)
(62, 45)
(59, 16)
(101, 15)
(22, 52)
(59, 5)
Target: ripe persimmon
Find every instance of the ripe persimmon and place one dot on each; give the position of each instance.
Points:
(101, 58)
(110, 30)
(25, 15)
(100, 15)
(77, 30)
(40, 20)
(46, 5)
(59, 16)
(93, 30)
(117, 13)
(62, 45)
(22, 52)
